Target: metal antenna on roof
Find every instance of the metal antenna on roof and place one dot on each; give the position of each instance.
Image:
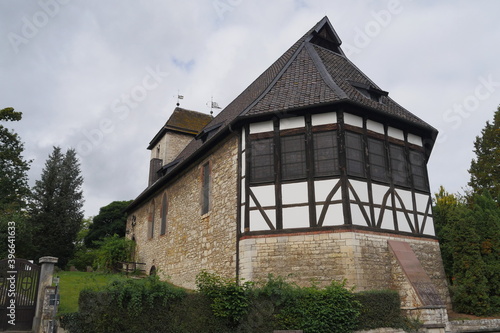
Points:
(213, 105)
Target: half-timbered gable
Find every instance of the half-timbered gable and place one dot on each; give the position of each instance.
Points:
(312, 170)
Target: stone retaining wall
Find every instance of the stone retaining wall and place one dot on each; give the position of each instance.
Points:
(361, 257)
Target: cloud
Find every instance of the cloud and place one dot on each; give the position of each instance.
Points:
(74, 73)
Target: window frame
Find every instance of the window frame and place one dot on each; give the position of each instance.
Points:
(335, 158)
(151, 220)
(289, 154)
(373, 164)
(399, 175)
(164, 212)
(350, 155)
(206, 179)
(260, 177)
(418, 168)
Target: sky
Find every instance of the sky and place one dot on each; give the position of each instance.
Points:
(102, 76)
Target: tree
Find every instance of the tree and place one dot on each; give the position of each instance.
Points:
(469, 235)
(56, 209)
(13, 167)
(110, 221)
(14, 189)
(447, 210)
(485, 168)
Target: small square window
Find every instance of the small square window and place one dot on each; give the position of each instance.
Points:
(378, 164)
(355, 154)
(262, 160)
(326, 158)
(398, 165)
(293, 157)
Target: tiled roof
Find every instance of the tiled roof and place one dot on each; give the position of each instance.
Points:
(307, 75)
(184, 121)
(188, 120)
(312, 72)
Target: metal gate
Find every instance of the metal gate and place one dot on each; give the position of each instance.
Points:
(18, 294)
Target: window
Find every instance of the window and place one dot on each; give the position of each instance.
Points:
(151, 220)
(378, 164)
(205, 201)
(262, 160)
(164, 210)
(398, 165)
(293, 157)
(326, 158)
(354, 154)
(417, 164)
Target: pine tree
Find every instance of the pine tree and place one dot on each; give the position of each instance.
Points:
(485, 168)
(56, 209)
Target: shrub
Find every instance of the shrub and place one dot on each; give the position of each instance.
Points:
(230, 300)
(83, 258)
(315, 310)
(112, 251)
(379, 308)
(125, 306)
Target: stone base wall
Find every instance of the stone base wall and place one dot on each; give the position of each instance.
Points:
(361, 257)
(485, 325)
(193, 242)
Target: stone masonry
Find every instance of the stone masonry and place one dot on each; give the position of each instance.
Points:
(361, 257)
(192, 242)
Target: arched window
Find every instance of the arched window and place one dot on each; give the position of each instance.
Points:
(164, 211)
(151, 220)
(152, 271)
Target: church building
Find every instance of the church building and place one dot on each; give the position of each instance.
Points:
(312, 172)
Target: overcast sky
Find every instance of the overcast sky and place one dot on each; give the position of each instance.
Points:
(102, 76)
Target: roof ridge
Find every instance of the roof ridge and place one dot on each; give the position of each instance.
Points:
(273, 82)
(323, 71)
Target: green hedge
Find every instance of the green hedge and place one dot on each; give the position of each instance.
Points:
(222, 305)
(379, 308)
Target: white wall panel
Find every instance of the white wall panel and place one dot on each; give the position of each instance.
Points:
(265, 195)
(295, 122)
(243, 191)
(415, 139)
(296, 217)
(374, 126)
(334, 215)
(387, 219)
(324, 187)
(406, 197)
(324, 118)
(395, 133)
(361, 189)
(402, 222)
(353, 120)
(422, 201)
(378, 192)
(243, 142)
(242, 212)
(243, 165)
(294, 193)
(257, 221)
(265, 126)
(357, 216)
(429, 226)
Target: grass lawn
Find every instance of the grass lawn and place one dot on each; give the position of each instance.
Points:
(71, 283)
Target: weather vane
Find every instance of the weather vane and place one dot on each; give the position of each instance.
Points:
(213, 105)
(179, 97)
